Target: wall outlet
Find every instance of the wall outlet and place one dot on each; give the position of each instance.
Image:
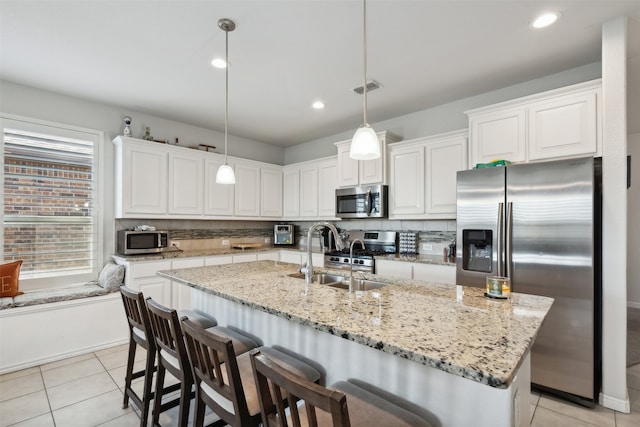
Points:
(225, 243)
(267, 240)
(427, 247)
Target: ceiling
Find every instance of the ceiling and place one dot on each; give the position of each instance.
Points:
(153, 56)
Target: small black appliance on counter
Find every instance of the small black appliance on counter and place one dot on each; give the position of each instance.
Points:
(283, 234)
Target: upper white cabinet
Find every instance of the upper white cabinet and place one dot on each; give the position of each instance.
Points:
(362, 172)
(560, 123)
(271, 193)
(422, 176)
(309, 190)
(164, 181)
(186, 183)
(141, 179)
(247, 187)
(218, 198)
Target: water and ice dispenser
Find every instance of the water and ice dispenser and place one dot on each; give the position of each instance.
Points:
(477, 251)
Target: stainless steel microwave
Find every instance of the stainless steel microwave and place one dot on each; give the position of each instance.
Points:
(362, 202)
(134, 242)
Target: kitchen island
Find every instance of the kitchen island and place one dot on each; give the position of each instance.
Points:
(448, 349)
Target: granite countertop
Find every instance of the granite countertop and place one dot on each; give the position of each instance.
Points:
(452, 328)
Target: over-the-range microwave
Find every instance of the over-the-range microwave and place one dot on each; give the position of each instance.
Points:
(362, 202)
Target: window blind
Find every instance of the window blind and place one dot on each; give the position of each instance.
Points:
(49, 200)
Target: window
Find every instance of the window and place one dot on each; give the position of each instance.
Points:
(50, 217)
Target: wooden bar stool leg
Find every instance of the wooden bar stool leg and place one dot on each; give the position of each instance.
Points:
(157, 401)
(129, 373)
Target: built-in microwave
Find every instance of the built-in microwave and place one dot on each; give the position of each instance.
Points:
(362, 202)
(134, 242)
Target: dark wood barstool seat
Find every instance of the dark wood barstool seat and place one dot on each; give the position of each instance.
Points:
(141, 334)
(172, 357)
(341, 405)
(225, 382)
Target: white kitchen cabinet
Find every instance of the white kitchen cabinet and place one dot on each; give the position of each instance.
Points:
(218, 260)
(403, 270)
(407, 179)
(249, 257)
(186, 183)
(247, 190)
(309, 190)
(180, 293)
(140, 178)
(560, 123)
(445, 156)
(563, 127)
(141, 276)
(417, 271)
(271, 193)
(218, 198)
(434, 273)
(327, 179)
(422, 176)
(292, 257)
(269, 256)
(498, 135)
(363, 172)
(291, 192)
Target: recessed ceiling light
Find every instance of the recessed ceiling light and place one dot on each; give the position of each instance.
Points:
(219, 63)
(545, 19)
(318, 105)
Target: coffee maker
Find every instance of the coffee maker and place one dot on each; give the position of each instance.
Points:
(283, 234)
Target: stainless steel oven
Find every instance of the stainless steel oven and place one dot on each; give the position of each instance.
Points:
(376, 243)
(362, 202)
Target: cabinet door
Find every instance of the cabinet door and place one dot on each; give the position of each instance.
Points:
(563, 127)
(271, 196)
(218, 198)
(498, 135)
(444, 159)
(406, 193)
(348, 173)
(291, 190)
(186, 184)
(247, 195)
(327, 179)
(144, 181)
(309, 191)
(292, 257)
(218, 260)
(399, 269)
(435, 273)
(245, 258)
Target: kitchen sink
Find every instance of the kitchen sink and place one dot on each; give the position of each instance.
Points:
(321, 278)
(358, 285)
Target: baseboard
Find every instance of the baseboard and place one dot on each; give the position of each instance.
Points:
(61, 356)
(633, 304)
(620, 405)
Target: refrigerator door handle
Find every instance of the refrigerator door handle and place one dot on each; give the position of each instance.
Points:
(507, 272)
(500, 239)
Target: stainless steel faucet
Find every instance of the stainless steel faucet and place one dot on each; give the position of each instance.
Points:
(308, 274)
(351, 261)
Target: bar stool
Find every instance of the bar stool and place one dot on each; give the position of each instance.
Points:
(343, 404)
(224, 382)
(172, 357)
(141, 334)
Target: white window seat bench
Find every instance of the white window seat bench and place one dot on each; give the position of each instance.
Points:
(46, 325)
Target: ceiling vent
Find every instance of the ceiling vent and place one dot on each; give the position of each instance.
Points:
(371, 85)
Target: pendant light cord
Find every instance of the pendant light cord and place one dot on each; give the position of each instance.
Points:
(226, 91)
(364, 49)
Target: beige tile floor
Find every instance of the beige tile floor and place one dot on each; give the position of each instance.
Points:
(86, 391)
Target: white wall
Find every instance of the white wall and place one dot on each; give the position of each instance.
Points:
(633, 225)
(443, 118)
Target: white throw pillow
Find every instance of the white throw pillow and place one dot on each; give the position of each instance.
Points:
(111, 276)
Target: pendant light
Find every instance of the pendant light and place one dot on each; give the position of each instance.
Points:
(225, 173)
(365, 144)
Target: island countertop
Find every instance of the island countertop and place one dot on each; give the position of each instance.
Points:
(451, 328)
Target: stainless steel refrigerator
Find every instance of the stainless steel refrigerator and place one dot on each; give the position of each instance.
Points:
(540, 225)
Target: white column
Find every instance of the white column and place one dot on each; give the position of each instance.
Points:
(614, 215)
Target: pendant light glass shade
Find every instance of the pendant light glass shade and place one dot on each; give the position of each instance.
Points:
(225, 173)
(365, 144)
